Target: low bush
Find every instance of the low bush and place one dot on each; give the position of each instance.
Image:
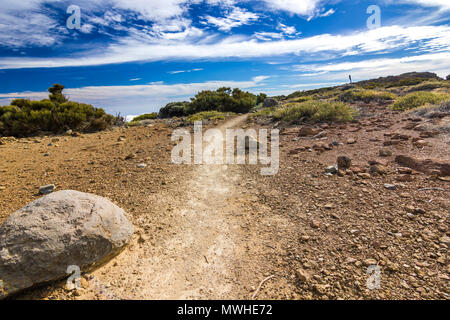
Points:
(406, 82)
(366, 96)
(433, 111)
(265, 112)
(418, 99)
(223, 100)
(174, 109)
(208, 115)
(315, 111)
(26, 117)
(146, 116)
(429, 85)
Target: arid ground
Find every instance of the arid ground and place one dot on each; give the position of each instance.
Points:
(217, 231)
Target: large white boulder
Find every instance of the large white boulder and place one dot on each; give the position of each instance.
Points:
(39, 241)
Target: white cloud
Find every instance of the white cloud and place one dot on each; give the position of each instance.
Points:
(300, 7)
(266, 36)
(382, 40)
(371, 68)
(442, 4)
(185, 71)
(153, 10)
(234, 18)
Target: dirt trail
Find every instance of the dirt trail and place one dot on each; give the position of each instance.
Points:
(197, 260)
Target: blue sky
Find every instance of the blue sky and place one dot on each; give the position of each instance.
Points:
(134, 56)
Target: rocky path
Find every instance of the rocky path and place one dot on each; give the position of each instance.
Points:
(198, 260)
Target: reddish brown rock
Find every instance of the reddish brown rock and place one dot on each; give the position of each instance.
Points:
(428, 166)
(308, 131)
(378, 169)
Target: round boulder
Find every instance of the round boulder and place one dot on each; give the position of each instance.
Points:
(270, 102)
(65, 228)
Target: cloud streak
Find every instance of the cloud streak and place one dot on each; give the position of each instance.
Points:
(434, 38)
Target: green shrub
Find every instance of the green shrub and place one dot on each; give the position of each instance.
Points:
(315, 111)
(223, 100)
(406, 82)
(318, 93)
(265, 112)
(260, 98)
(208, 115)
(429, 85)
(366, 96)
(174, 109)
(26, 117)
(146, 116)
(418, 99)
(302, 99)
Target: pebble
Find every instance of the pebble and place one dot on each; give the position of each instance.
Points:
(344, 162)
(370, 262)
(142, 165)
(331, 170)
(390, 186)
(47, 189)
(302, 275)
(385, 153)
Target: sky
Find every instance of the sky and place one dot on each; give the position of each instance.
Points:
(134, 56)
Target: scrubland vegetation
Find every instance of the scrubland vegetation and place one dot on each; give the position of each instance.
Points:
(311, 111)
(209, 115)
(56, 115)
(418, 99)
(366, 96)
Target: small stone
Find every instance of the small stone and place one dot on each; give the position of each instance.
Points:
(331, 170)
(403, 170)
(350, 260)
(419, 211)
(404, 195)
(319, 288)
(308, 131)
(305, 238)
(315, 224)
(364, 175)
(378, 169)
(329, 206)
(142, 165)
(420, 143)
(370, 262)
(302, 275)
(445, 240)
(344, 162)
(409, 209)
(390, 186)
(385, 153)
(47, 189)
(351, 141)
